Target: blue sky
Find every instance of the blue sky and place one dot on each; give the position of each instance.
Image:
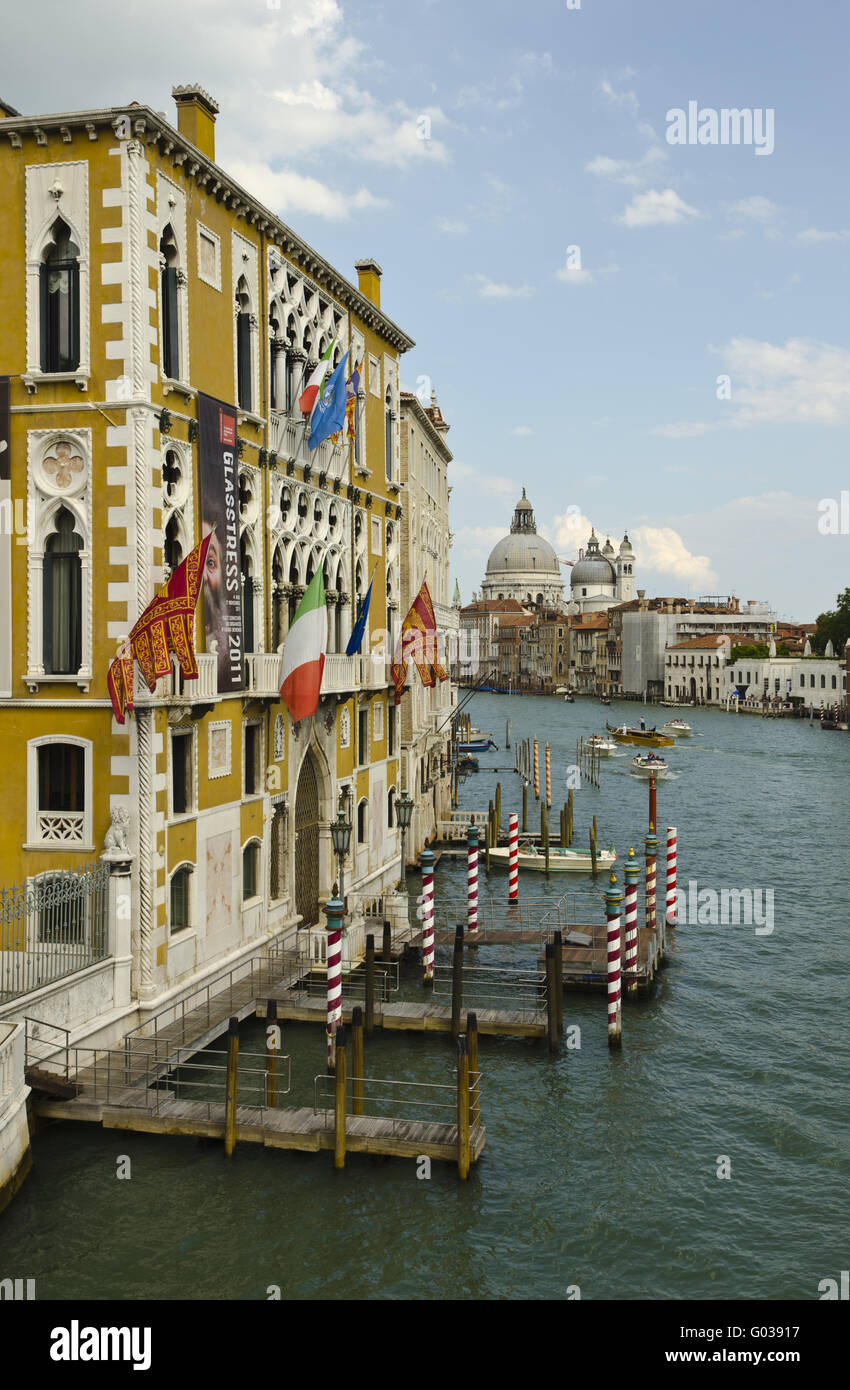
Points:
(596, 388)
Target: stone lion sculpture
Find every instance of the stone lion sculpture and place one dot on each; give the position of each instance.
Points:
(115, 844)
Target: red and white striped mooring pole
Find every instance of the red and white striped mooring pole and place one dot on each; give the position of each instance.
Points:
(472, 879)
(631, 873)
(334, 909)
(613, 899)
(427, 861)
(513, 856)
(671, 874)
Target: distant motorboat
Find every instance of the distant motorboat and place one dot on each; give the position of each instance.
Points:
(603, 700)
(648, 738)
(649, 765)
(677, 728)
(476, 746)
(561, 861)
(601, 744)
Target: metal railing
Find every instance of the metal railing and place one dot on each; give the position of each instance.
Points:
(494, 987)
(210, 1002)
(425, 1102)
(51, 928)
(354, 983)
(210, 1075)
(499, 915)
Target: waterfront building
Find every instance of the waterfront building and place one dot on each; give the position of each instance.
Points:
(695, 668)
(139, 274)
(815, 682)
(425, 541)
(478, 637)
(648, 625)
(589, 652)
(522, 565)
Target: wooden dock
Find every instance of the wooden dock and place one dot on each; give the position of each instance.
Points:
(298, 1128)
(297, 1006)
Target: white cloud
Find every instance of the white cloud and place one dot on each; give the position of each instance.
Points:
(574, 275)
(661, 549)
(452, 226)
(753, 209)
(284, 192)
(492, 289)
(468, 477)
(798, 382)
(633, 172)
(813, 237)
(522, 430)
(654, 209)
(686, 430)
(618, 98)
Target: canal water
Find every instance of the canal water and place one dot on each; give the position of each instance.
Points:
(601, 1169)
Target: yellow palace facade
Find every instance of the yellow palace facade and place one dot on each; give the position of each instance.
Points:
(138, 277)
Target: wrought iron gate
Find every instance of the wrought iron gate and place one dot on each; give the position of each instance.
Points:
(307, 844)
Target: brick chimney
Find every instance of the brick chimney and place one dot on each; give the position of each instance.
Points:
(196, 113)
(369, 280)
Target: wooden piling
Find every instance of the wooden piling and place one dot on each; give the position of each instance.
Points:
(545, 837)
(551, 1005)
(370, 985)
(357, 1059)
(387, 944)
(558, 943)
(593, 868)
(498, 808)
(472, 1050)
(570, 816)
(507, 733)
(271, 1053)
(463, 1156)
(524, 807)
(653, 795)
(457, 981)
(231, 1086)
(340, 1083)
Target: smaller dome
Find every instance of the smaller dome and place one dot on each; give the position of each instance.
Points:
(625, 543)
(594, 567)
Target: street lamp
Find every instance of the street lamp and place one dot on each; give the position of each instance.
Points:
(341, 837)
(403, 812)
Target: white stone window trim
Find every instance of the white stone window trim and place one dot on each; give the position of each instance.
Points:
(43, 502)
(202, 231)
(375, 376)
(183, 731)
(34, 841)
(183, 933)
(39, 225)
(214, 772)
(377, 722)
(257, 897)
(245, 263)
(171, 211)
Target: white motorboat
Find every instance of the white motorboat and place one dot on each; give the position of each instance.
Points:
(601, 743)
(649, 765)
(561, 861)
(677, 727)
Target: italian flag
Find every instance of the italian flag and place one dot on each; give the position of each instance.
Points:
(311, 391)
(304, 652)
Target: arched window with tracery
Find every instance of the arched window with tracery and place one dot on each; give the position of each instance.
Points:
(62, 597)
(170, 304)
(59, 293)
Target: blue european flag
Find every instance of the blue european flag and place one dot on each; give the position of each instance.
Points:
(329, 411)
(359, 628)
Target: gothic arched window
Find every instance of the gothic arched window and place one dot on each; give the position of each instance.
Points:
(170, 308)
(59, 294)
(63, 597)
(243, 344)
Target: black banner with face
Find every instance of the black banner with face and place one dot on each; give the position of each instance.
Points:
(219, 477)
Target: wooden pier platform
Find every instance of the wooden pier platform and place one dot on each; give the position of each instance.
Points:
(297, 1006)
(298, 1128)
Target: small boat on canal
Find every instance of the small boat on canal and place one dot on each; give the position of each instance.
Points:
(561, 861)
(649, 765)
(476, 745)
(602, 744)
(644, 738)
(677, 727)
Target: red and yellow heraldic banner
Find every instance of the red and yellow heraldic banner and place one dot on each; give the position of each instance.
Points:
(219, 476)
(167, 625)
(418, 643)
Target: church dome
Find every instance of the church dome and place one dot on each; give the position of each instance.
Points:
(594, 568)
(522, 552)
(523, 565)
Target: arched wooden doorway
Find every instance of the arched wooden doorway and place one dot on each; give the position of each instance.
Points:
(307, 843)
